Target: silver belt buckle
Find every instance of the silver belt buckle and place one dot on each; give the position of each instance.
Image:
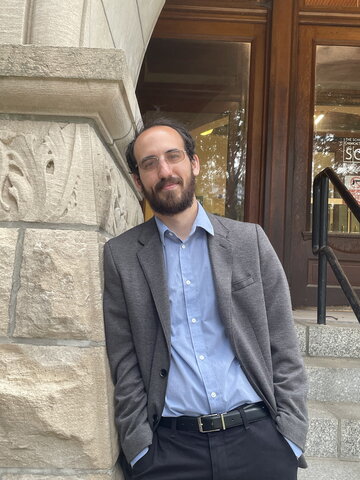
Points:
(201, 427)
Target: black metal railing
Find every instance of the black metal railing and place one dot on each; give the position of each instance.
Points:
(320, 245)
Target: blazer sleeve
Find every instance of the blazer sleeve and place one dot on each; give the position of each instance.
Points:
(289, 378)
(134, 430)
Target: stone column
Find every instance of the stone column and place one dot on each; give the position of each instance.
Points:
(66, 115)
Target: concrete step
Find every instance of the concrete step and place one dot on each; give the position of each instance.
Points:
(332, 359)
(333, 379)
(334, 430)
(329, 469)
(338, 338)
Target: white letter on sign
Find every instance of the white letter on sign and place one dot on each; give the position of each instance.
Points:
(348, 153)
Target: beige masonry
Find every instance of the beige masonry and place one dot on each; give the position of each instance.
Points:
(60, 291)
(54, 407)
(68, 72)
(8, 240)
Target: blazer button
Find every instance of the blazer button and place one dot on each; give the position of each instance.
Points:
(155, 418)
(163, 373)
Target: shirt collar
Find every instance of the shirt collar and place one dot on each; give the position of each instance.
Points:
(201, 221)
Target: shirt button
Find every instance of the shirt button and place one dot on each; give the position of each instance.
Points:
(183, 246)
(193, 320)
(187, 282)
(213, 394)
(202, 358)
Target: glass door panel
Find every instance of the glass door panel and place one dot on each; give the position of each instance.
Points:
(205, 85)
(336, 141)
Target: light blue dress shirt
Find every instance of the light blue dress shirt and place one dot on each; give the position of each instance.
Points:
(204, 375)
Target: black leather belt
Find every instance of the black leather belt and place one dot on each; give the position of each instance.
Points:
(247, 413)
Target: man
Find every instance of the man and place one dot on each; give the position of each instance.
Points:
(209, 382)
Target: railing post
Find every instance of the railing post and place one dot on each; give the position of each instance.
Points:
(320, 240)
(322, 265)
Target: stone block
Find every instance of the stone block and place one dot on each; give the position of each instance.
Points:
(117, 206)
(57, 24)
(126, 29)
(8, 239)
(34, 61)
(47, 172)
(56, 408)
(322, 437)
(329, 469)
(96, 28)
(301, 334)
(334, 341)
(12, 19)
(333, 380)
(350, 439)
(81, 82)
(60, 287)
(349, 415)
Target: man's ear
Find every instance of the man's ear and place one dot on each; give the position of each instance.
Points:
(137, 182)
(195, 165)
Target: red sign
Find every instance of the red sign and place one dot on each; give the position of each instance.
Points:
(352, 182)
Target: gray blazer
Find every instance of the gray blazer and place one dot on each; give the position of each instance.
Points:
(254, 305)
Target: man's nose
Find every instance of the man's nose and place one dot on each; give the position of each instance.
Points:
(164, 168)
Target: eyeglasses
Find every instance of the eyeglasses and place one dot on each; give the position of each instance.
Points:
(171, 157)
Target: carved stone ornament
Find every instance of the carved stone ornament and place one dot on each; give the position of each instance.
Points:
(117, 206)
(63, 173)
(39, 179)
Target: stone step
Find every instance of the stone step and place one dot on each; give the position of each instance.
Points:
(333, 314)
(334, 430)
(329, 469)
(338, 338)
(332, 358)
(333, 379)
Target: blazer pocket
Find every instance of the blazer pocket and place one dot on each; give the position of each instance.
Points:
(242, 283)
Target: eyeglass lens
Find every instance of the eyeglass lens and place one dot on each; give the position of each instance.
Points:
(171, 157)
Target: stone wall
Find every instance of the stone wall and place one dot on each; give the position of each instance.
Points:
(61, 196)
(67, 111)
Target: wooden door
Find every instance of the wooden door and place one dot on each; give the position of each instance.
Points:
(327, 133)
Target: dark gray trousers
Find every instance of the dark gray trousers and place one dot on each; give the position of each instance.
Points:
(258, 452)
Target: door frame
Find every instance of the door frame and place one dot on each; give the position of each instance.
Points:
(302, 263)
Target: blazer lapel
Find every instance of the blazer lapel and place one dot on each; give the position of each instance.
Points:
(151, 259)
(220, 251)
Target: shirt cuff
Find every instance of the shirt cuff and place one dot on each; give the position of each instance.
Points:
(297, 450)
(138, 456)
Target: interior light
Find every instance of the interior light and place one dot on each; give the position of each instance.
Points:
(319, 118)
(207, 132)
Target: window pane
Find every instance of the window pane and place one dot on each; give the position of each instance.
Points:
(204, 84)
(337, 127)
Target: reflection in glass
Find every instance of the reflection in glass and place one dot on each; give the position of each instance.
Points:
(204, 84)
(336, 142)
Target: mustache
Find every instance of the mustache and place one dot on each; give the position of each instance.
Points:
(167, 181)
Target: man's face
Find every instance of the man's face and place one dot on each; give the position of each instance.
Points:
(169, 188)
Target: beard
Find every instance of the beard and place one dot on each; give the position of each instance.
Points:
(169, 202)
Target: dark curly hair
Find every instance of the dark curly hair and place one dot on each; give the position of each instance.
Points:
(160, 122)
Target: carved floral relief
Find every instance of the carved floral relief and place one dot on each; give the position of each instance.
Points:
(39, 175)
(62, 173)
(118, 208)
